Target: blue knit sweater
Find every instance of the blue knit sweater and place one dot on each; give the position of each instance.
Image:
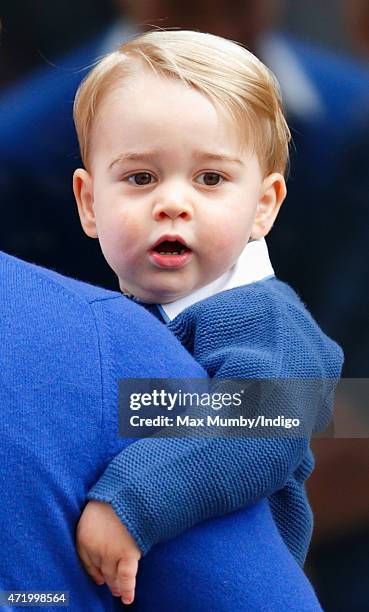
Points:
(63, 346)
(260, 331)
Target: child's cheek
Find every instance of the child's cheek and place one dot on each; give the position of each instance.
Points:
(225, 247)
(128, 232)
(214, 259)
(219, 244)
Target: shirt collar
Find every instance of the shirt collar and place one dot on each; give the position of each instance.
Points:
(252, 265)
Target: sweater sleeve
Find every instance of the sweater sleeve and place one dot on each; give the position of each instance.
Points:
(159, 488)
(203, 478)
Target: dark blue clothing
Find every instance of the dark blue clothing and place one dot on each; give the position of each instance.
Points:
(63, 347)
(297, 243)
(38, 155)
(259, 331)
(344, 292)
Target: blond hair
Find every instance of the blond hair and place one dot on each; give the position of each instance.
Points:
(224, 71)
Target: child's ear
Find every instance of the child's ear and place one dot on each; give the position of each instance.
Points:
(83, 192)
(272, 193)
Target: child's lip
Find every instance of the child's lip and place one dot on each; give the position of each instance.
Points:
(170, 261)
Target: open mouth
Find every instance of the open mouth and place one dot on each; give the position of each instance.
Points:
(170, 252)
(169, 247)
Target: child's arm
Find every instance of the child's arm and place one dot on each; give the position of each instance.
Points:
(161, 487)
(234, 474)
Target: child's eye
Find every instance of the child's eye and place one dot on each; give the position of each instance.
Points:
(211, 179)
(140, 178)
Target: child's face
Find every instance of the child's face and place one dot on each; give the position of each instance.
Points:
(170, 213)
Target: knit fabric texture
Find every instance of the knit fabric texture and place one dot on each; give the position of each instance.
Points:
(259, 331)
(264, 331)
(64, 345)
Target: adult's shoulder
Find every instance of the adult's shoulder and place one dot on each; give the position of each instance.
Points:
(25, 275)
(131, 342)
(42, 285)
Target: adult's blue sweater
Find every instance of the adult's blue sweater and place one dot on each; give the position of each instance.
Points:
(261, 331)
(63, 346)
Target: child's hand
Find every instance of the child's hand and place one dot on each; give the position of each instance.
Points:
(107, 550)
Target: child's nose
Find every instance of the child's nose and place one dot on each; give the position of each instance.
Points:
(172, 208)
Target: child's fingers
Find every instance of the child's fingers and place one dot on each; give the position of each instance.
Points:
(95, 574)
(92, 570)
(109, 571)
(126, 579)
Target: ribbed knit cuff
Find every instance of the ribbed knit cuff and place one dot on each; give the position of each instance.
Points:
(122, 506)
(150, 513)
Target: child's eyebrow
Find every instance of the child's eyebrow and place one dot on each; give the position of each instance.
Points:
(197, 155)
(202, 155)
(133, 156)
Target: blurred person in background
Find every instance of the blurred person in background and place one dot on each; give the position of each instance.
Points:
(349, 320)
(339, 489)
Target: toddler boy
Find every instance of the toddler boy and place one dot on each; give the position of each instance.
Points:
(185, 146)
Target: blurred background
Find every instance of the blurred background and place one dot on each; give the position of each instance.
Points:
(37, 30)
(320, 54)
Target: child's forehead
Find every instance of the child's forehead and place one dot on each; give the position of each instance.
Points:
(143, 80)
(145, 87)
(146, 104)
